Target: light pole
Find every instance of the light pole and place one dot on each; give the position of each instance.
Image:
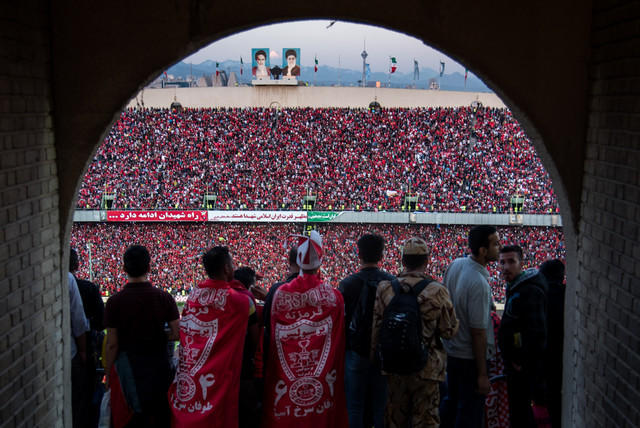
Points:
(90, 263)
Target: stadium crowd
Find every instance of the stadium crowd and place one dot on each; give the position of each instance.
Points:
(177, 248)
(454, 159)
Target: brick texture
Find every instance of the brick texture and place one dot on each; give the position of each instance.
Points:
(607, 338)
(602, 385)
(31, 345)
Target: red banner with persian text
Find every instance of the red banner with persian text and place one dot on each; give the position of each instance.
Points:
(177, 215)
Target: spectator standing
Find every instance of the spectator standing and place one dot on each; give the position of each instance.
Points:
(523, 333)
(249, 404)
(304, 385)
(79, 328)
(212, 334)
(470, 350)
(553, 271)
(138, 366)
(413, 399)
(362, 378)
(94, 312)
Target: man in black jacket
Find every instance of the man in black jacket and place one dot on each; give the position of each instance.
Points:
(553, 271)
(523, 332)
(359, 292)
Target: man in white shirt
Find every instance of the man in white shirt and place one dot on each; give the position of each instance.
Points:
(468, 352)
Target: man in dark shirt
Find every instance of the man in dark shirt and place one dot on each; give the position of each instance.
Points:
(136, 355)
(359, 298)
(249, 403)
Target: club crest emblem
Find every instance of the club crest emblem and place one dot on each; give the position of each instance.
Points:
(193, 356)
(303, 347)
(306, 391)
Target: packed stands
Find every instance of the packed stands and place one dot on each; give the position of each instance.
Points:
(176, 248)
(455, 159)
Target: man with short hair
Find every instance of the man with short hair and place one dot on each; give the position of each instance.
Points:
(304, 383)
(136, 355)
(214, 324)
(362, 377)
(413, 399)
(523, 332)
(468, 353)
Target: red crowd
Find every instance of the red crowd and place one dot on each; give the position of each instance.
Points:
(176, 249)
(454, 159)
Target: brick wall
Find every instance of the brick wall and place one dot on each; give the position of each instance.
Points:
(606, 355)
(31, 341)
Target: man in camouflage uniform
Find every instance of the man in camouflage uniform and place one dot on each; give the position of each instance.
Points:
(415, 398)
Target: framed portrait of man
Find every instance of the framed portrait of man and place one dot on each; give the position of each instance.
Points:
(290, 62)
(260, 63)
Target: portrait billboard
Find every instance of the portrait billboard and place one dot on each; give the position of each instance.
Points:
(260, 63)
(290, 62)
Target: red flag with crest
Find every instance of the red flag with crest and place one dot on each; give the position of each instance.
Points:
(206, 387)
(304, 384)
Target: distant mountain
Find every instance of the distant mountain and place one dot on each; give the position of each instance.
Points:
(327, 76)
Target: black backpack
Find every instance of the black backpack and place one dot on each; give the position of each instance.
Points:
(360, 328)
(401, 348)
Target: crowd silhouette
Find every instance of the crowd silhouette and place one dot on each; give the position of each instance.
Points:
(177, 248)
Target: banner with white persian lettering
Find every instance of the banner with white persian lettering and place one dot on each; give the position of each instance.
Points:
(259, 216)
(322, 216)
(178, 215)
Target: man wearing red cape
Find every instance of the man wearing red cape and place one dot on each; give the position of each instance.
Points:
(205, 390)
(304, 384)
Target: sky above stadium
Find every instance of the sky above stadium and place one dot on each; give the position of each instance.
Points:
(339, 45)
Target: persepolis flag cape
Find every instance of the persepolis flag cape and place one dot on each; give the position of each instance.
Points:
(304, 384)
(206, 387)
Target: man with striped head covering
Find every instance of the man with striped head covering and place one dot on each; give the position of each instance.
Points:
(304, 384)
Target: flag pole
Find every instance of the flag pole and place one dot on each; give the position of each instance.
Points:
(414, 73)
(466, 72)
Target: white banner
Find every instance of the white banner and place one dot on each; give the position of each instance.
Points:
(258, 216)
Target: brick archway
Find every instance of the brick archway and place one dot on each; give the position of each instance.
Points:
(564, 69)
